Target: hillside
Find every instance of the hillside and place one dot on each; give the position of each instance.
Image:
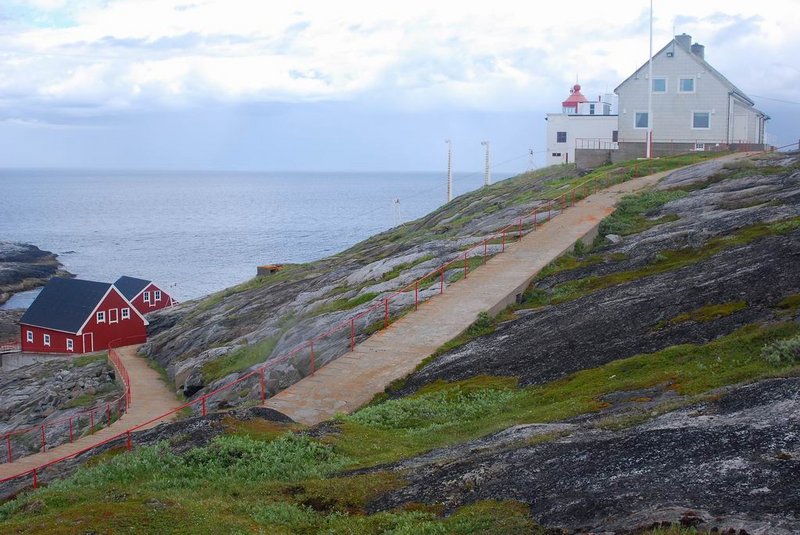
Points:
(648, 384)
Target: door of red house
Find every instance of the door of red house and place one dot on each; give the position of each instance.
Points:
(88, 342)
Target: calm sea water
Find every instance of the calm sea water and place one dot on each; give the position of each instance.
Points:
(198, 232)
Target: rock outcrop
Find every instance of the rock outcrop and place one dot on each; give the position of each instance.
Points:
(24, 267)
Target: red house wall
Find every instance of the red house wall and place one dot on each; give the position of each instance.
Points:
(153, 305)
(58, 340)
(132, 330)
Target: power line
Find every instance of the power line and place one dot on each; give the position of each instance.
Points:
(777, 99)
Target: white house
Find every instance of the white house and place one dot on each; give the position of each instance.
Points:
(694, 106)
(582, 123)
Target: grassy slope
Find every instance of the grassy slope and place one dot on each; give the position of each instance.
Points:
(261, 477)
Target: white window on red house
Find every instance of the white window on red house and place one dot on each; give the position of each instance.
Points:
(101, 316)
(147, 297)
(158, 295)
(126, 313)
(47, 340)
(29, 336)
(69, 344)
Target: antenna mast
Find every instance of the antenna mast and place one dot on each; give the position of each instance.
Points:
(487, 173)
(449, 170)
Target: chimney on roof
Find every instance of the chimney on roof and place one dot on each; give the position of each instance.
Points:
(684, 40)
(699, 50)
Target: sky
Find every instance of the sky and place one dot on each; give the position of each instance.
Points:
(348, 85)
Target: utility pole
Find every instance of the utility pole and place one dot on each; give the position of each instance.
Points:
(487, 174)
(449, 170)
(650, 91)
(531, 163)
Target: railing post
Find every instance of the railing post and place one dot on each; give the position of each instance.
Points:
(44, 446)
(8, 447)
(108, 412)
(35, 479)
(441, 282)
(534, 220)
(91, 422)
(549, 202)
(128, 441)
(573, 196)
(519, 236)
(465, 265)
(504, 241)
(485, 249)
(416, 294)
(263, 382)
(385, 312)
(70, 428)
(313, 364)
(203, 404)
(352, 334)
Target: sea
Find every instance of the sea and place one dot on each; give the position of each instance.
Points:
(194, 232)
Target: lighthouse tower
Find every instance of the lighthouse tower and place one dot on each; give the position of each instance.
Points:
(570, 106)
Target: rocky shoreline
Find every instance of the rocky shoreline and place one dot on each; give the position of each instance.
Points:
(24, 267)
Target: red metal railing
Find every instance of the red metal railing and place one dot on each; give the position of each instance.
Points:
(10, 347)
(533, 218)
(72, 426)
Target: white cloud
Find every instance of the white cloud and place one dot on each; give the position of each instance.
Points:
(504, 55)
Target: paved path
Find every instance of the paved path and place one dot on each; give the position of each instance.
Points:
(149, 398)
(353, 379)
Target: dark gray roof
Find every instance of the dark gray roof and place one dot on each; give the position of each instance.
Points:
(130, 286)
(65, 304)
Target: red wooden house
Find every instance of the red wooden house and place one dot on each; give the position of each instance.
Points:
(79, 316)
(143, 294)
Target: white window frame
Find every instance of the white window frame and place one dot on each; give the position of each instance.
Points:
(29, 336)
(157, 295)
(699, 147)
(635, 113)
(680, 85)
(146, 297)
(126, 313)
(70, 345)
(652, 82)
(101, 316)
(701, 127)
(46, 340)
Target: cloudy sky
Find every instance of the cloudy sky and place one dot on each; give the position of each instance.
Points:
(347, 85)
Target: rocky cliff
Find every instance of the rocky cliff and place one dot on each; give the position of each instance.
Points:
(24, 267)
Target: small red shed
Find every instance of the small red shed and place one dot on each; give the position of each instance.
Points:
(143, 294)
(80, 316)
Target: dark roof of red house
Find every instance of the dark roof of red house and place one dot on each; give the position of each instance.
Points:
(130, 286)
(65, 304)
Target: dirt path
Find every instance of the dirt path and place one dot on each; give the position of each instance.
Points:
(352, 380)
(149, 398)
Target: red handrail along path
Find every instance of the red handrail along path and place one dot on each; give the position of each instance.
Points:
(94, 418)
(541, 214)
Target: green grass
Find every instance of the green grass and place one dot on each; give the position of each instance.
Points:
(395, 272)
(86, 360)
(790, 303)
(668, 260)
(707, 313)
(339, 305)
(239, 359)
(630, 217)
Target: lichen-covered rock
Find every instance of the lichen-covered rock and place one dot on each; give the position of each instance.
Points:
(24, 266)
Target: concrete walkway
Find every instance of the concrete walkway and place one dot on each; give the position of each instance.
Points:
(149, 398)
(353, 379)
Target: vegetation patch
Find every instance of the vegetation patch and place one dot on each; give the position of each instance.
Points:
(790, 303)
(706, 313)
(665, 261)
(395, 272)
(782, 352)
(339, 305)
(239, 359)
(630, 217)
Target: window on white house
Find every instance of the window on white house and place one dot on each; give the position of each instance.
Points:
(659, 85)
(640, 119)
(70, 345)
(686, 85)
(147, 297)
(126, 313)
(591, 109)
(47, 340)
(561, 137)
(557, 154)
(701, 119)
(700, 147)
(615, 136)
(101, 316)
(29, 336)
(158, 295)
